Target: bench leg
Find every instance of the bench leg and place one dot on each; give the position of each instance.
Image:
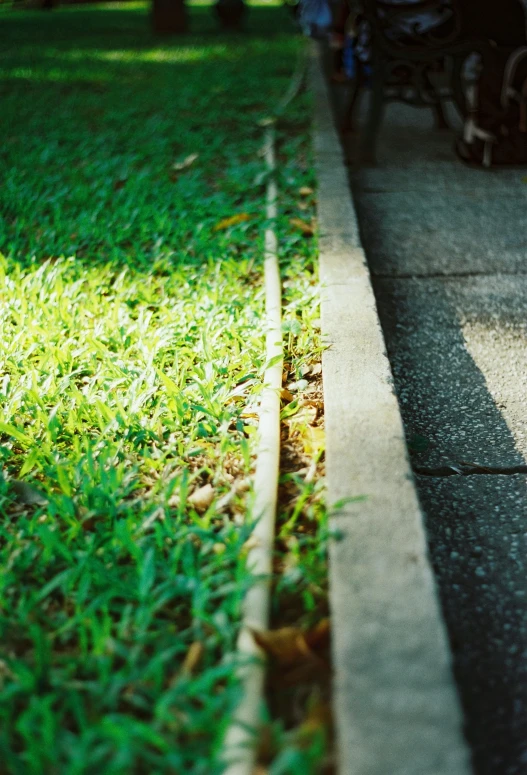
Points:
(439, 115)
(460, 98)
(347, 124)
(375, 114)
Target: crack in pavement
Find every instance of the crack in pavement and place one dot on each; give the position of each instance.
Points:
(442, 275)
(469, 469)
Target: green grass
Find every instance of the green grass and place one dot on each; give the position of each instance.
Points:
(130, 367)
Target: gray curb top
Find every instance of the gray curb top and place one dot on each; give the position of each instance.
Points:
(396, 707)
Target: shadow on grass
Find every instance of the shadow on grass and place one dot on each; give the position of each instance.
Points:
(99, 115)
(95, 26)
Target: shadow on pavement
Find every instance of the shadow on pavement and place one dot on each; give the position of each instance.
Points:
(447, 255)
(477, 526)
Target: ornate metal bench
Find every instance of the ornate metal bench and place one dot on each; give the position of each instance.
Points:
(406, 56)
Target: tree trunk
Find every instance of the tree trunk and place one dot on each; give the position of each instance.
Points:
(169, 17)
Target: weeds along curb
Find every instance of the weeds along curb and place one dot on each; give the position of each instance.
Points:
(239, 743)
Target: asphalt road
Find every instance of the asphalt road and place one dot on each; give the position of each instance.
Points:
(447, 248)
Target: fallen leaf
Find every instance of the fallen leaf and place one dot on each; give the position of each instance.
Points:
(249, 415)
(286, 395)
(305, 228)
(313, 439)
(202, 497)
(303, 206)
(305, 191)
(316, 369)
(319, 635)
(286, 645)
(296, 655)
(316, 402)
(192, 658)
(226, 223)
(178, 166)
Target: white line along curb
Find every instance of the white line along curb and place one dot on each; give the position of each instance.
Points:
(241, 736)
(396, 707)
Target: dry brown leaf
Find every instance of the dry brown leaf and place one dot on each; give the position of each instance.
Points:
(303, 206)
(305, 228)
(192, 658)
(179, 166)
(249, 415)
(316, 369)
(226, 223)
(286, 646)
(319, 636)
(305, 191)
(313, 439)
(202, 497)
(296, 655)
(286, 395)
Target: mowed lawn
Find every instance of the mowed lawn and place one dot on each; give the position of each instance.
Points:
(132, 199)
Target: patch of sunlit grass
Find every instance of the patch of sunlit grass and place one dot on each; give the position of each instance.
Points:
(130, 365)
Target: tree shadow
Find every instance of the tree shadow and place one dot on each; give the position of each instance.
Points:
(99, 117)
(474, 524)
(79, 26)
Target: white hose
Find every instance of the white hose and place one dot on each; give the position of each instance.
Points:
(239, 741)
(241, 738)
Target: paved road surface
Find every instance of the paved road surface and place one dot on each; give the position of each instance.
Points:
(447, 247)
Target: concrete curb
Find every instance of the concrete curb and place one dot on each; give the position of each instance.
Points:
(396, 706)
